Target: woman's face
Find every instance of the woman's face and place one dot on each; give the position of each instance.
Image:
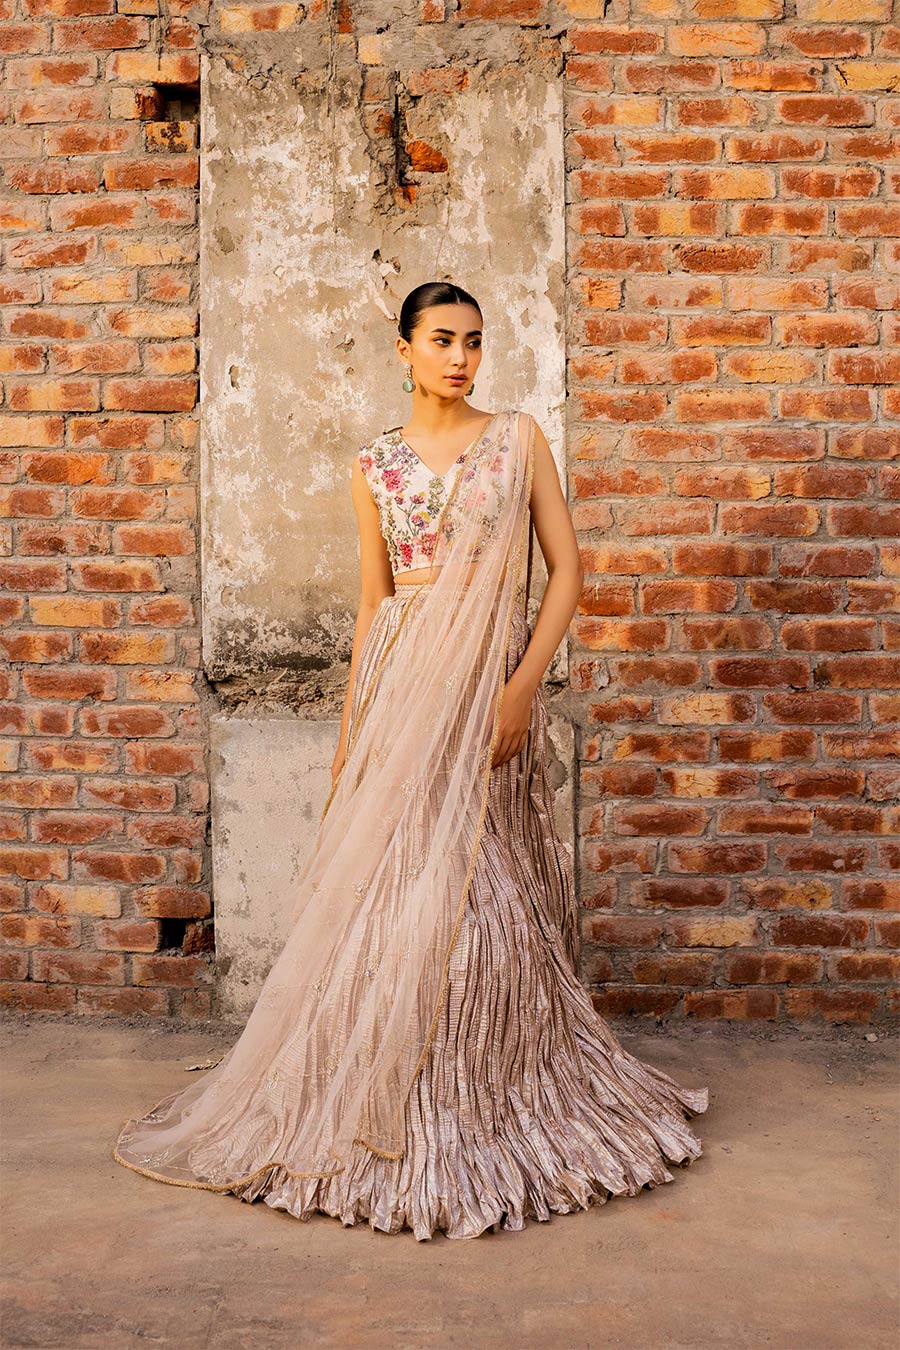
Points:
(445, 350)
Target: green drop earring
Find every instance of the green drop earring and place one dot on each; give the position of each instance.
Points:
(409, 383)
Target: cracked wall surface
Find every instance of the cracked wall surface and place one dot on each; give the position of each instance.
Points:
(315, 224)
(305, 262)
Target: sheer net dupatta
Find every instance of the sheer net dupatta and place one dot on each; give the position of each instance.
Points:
(347, 1013)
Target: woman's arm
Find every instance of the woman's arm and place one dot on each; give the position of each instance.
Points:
(375, 582)
(559, 545)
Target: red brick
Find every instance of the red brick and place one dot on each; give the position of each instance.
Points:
(33, 997)
(671, 597)
(778, 893)
(125, 867)
(834, 1005)
(663, 818)
(773, 968)
(887, 931)
(123, 720)
(111, 575)
(37, 930)
(616, 40)
(91, 900)
(75, 827)
(871, 893)
(773, 147)
(78, 967)
(722, 405)
(70, 682)
(130, 795)
(670, 77)
(830, 405)
(692, 969)
(30, 501)
(831, 110)
(169, 759)
(795, 597)
(681, 892)
(172, 902)
(726, 857)
(854, 519)
(167, 611)
(128, 936)
(875, 219)
(125, 1001)
(737, 1004)
(765, 818)
(118, 504)
(154, 539)
(166, 831)
(754, 672)
(74, 612)
(720, 559)
(164, 686)
(60, 538)
(13, 826)
(12, 897)
(126, 648)
(775, 76)
(669, 672)
(68, 469)
(619, 1000)
(19, 576)
(36, 648)
(823, 857)
(825, 42)
(725, 111)
(844, 634)
(178, 971)
(13, 965)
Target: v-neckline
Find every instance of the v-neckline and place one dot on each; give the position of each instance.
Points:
(458, 459)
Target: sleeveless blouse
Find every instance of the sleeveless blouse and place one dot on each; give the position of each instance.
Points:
(409, 498)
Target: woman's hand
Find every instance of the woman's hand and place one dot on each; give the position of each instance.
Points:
(515, 719)
(338, 762)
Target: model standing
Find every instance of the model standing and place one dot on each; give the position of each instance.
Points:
(422, 1052)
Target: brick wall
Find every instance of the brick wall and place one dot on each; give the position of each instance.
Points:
(735, 281)
(103, 874)
(734, 287)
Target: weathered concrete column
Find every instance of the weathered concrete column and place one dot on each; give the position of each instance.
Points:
(306, 259)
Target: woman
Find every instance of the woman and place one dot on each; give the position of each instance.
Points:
(422, 1052)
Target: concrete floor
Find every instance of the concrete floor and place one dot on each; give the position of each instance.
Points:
(783, 1234)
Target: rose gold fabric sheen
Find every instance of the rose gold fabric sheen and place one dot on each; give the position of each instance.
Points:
(345, 1016)
(524, 1102)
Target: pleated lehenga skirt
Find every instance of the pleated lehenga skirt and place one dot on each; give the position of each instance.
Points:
(527, 1104)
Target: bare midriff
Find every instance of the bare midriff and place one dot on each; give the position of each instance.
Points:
(417, 575)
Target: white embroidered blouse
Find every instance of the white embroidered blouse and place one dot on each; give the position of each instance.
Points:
(409, 498)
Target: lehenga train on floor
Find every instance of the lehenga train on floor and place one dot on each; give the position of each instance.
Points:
(526, 1103)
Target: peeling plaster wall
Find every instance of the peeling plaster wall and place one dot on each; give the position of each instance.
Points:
(303, 272)
(306, 257)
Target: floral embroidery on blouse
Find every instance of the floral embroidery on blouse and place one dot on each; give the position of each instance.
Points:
(409, 498)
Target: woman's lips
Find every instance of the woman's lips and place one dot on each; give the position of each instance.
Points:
(456, 379)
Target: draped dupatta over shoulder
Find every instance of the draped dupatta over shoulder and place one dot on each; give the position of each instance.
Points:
(348, 1011)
